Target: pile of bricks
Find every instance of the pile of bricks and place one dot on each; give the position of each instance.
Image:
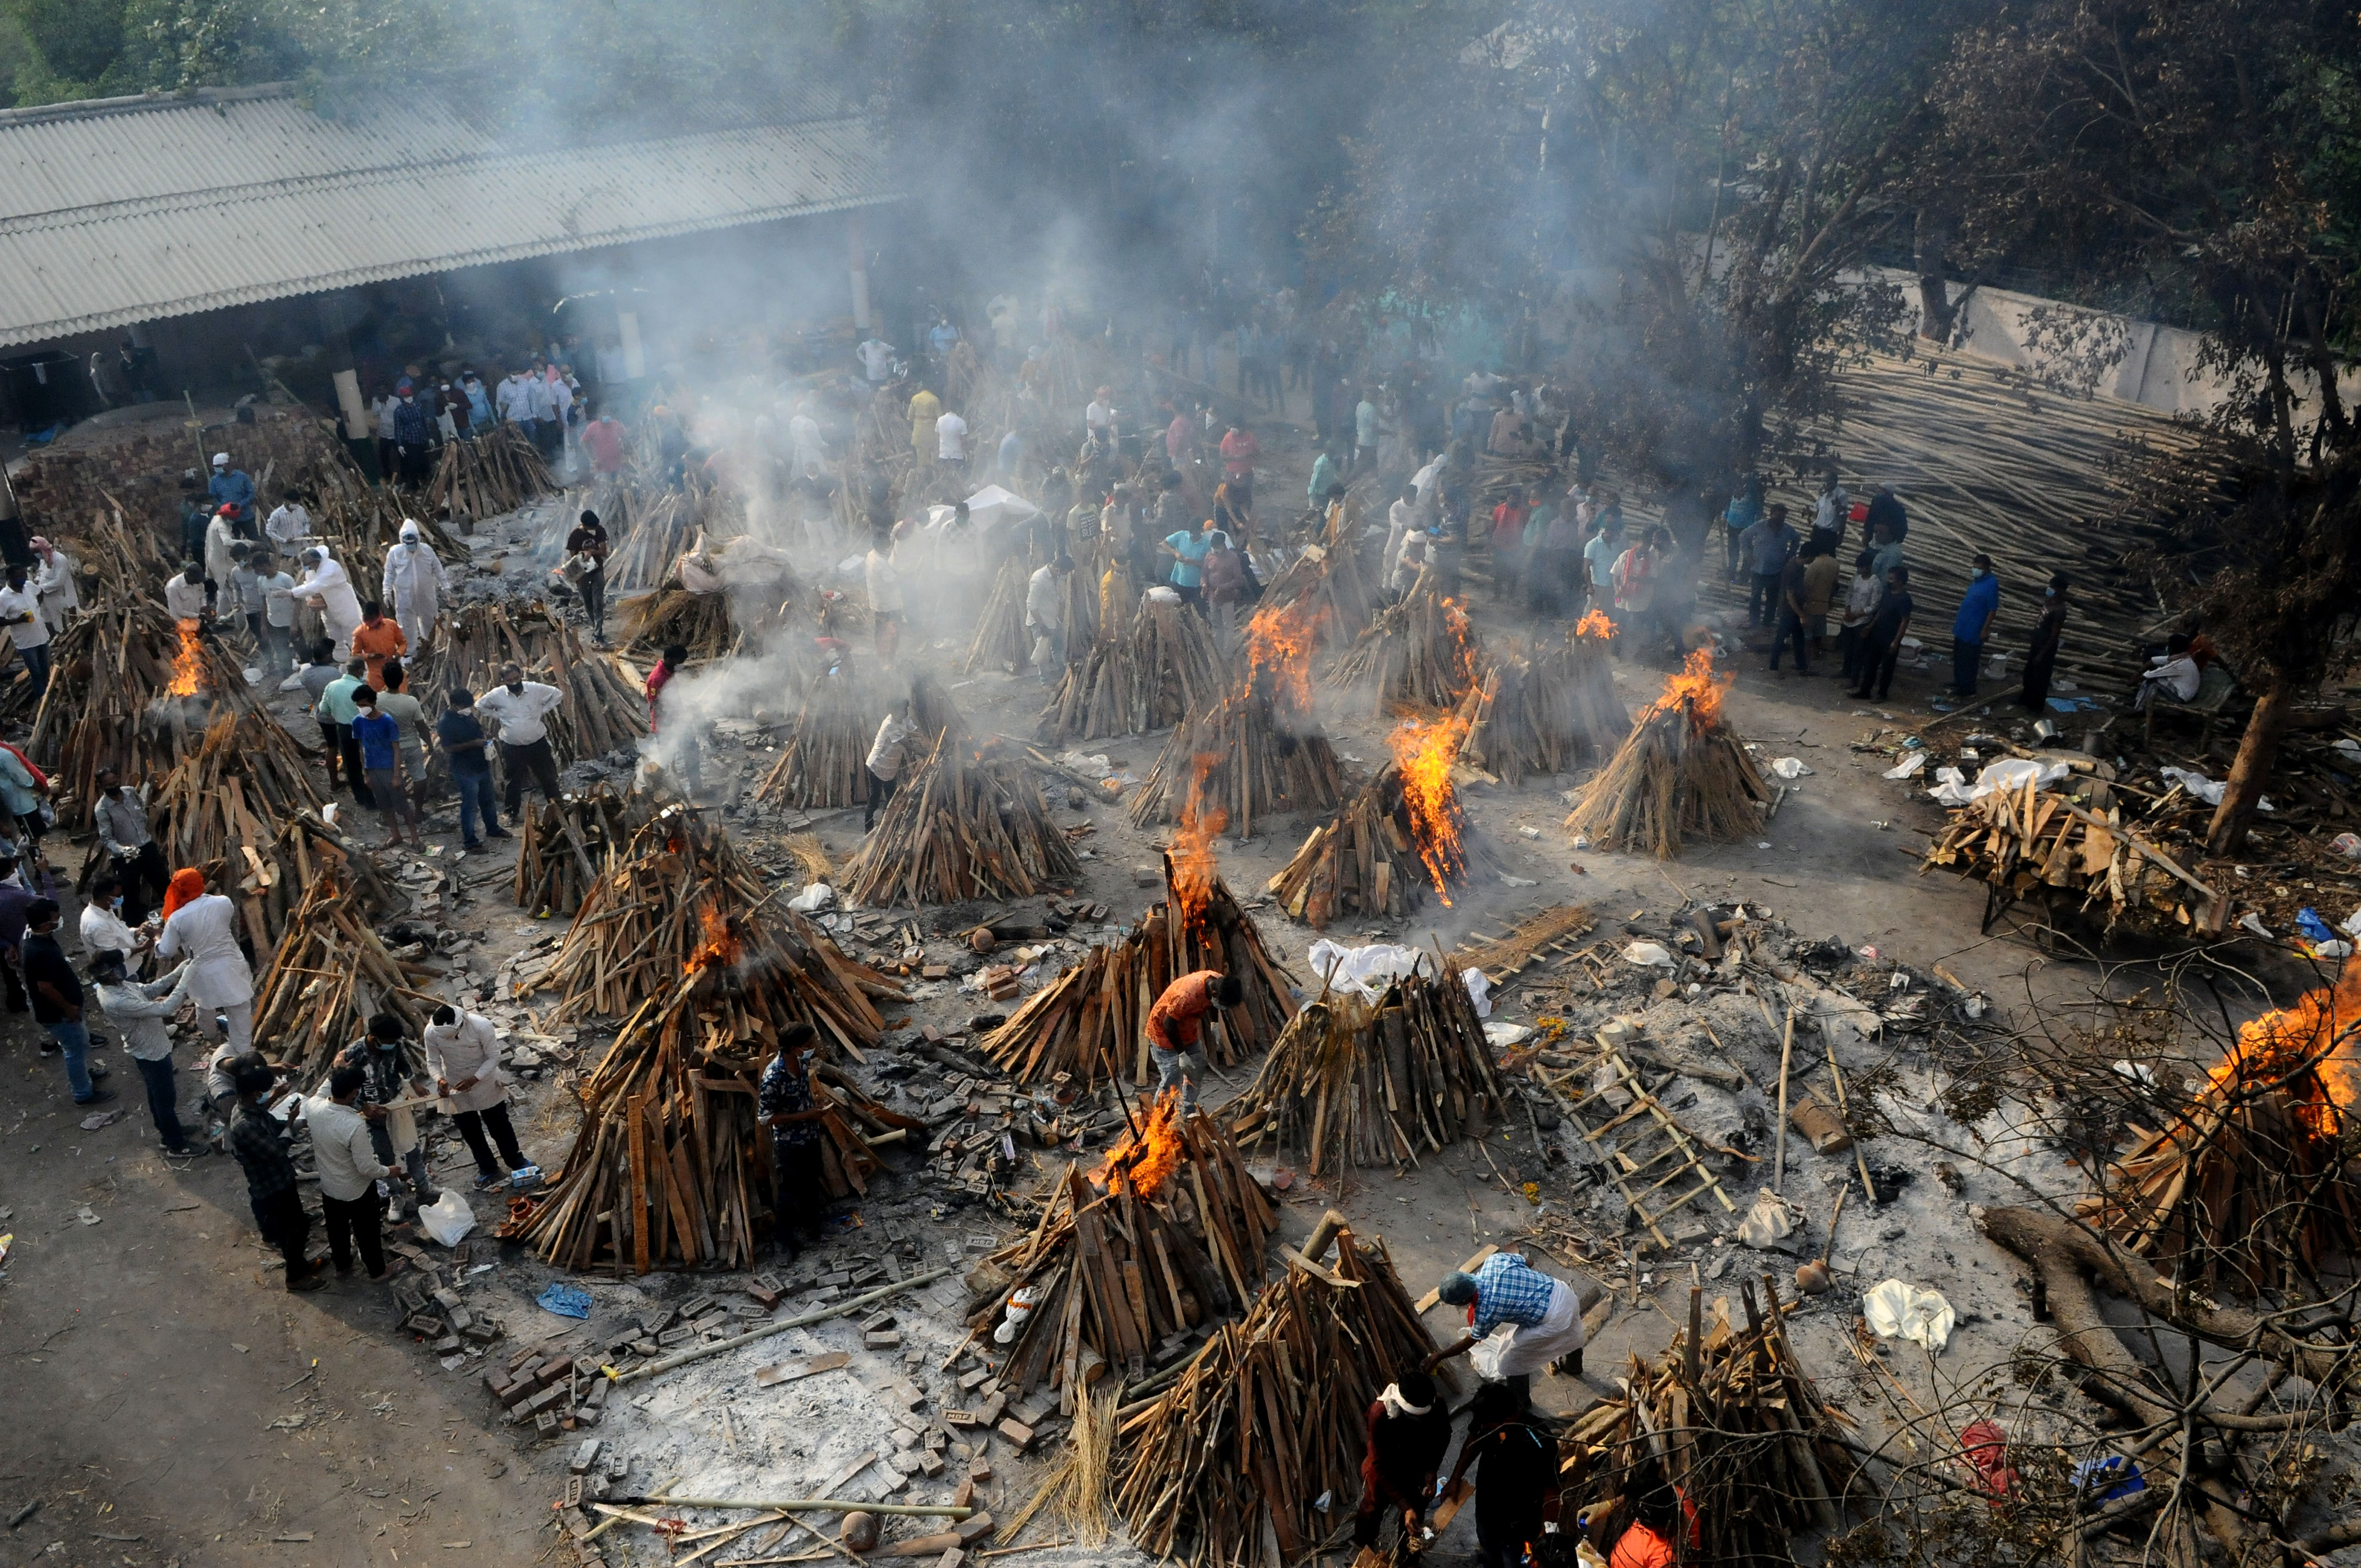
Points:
(555, 1391)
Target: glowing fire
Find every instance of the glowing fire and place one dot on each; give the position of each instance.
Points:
(1592, 624)
(1463, 644)
(1193, 863)
(722, 947)
(2320, 1030)
(1147, 1158)
(1694, 691)
(1280, 639)
(1423, 754)
(189, 663)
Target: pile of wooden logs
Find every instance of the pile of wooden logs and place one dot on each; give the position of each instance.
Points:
(825, 762)
(1260, 766)
(1151, 674)
(2027, 842)
(562, 845)
(1729, 1417)
(1001, 641)
(1550, 711)
(961, 827)
(129, 690)
(1349, 1083)
(497, 471)
(1327, 577)
(649, 528)
(1260, 1439)
(1681, 773)
(1092, 1020)
(1166, 1236)
(1421, 651)
(2249, 1186)
(675, 897)
(330, 974)
(702, 623)
(602, 712)
(1364, 860)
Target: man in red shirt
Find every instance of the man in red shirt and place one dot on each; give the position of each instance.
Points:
(1239, 450)
(1173, 1024)
(604, 438)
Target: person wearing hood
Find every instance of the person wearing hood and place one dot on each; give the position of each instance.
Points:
(203, 928)
(232, 487)
(414, 585)
(326, 581)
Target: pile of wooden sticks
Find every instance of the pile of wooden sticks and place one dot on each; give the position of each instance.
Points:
(1421, 651)
(496, 472)
(563, 843)
(601, 712)
(2024, 840)
(825, 762)
(1151, 674)
(111, 702)
(962, 826)
(1550, 711)
(1682, 773)
(330, 974)
(1260, 766)
(1364, 860)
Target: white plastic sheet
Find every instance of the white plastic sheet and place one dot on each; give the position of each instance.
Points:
(1789, 767)
(1366, 969)
(1897, 1310)
(1909, 766)
(818, 896)
(447, 1219)
(2009, 774)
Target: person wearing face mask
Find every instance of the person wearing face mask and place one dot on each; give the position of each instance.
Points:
(20, 611)
(203, 928)
(392, 1076)
(411, 425)
(106, 924)
(2041, 658)
(326, 579)
(520, 710)
(463, 1052)
(121, 818)
(414, 585)
(139, 1011)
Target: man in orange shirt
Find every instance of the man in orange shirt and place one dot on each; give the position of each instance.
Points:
(377, 639)
(1173, 1024)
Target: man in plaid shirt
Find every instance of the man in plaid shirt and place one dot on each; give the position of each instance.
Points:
(1519, 1321)
(259, 1143)
(785, 1105)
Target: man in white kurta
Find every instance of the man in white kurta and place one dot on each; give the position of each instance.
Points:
(326, 579)
(414, 585)
(204, 931)
(463, 1053)
(54, 585)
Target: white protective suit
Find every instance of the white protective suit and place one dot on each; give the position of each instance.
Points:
(415, 584)
(329, 583)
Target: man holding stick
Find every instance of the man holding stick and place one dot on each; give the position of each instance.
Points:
(1173, 1024)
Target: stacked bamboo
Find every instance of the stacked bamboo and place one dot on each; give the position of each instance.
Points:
(671, 899)
(1267, 1424)
(111, 703)
(702, 623)
(1364, 860)
(1165, 1237)
(1092, 1020)
(1550, 712)
(649, 528)
(115, 559)
(497, 471)
(562, 844)
(1681, 773)
(825, 762)
(1349, 1083)
(1327, 577)
(330, 974)
(1729, 1418)
(961, 827)
(1258, 767)
(2024, 841)
(1150, 675)
(1421, 652)
(2249, 1185)
(1001, 641)
(601, 712)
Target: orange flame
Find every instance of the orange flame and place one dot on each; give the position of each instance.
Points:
(722, 948)
(2319, 1030)
(1193, 859)
(1423, 754)
(1147, 1158)
(1280, 639)
(1595, 625)
(1694, 691)
(1463, 644)
(189, 663)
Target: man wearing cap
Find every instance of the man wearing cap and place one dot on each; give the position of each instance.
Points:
(232, 487)
(204, 929)
(325, 580)
(414, 585)
(1519, 1321)
(54, 585)
(520, 708)
(139, 1011)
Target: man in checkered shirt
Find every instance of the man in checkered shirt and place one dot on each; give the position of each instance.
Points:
(1519, 1321)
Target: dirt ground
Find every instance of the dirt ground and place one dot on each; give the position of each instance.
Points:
(172, 1403)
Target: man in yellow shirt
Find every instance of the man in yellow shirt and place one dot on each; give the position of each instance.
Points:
(925, 408)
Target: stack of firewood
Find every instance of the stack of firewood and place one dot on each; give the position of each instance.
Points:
(961, 827)
(1092, 1020)
(1001, 641)
(1364, 860)
(702, 623)
(562, 845)
(2250, 1185)
(1681, 773)
(2028, 840)
(825, 762)
(1729, 1417)
(601, 712)
(1547, 712)
(1260, 766)
(649, 528)
(1421, 652)
(497, 471)
(1161, 668)
(1260, 1439)
(1349, 1083)
(129, 690)
(1327, 575)
(329, 975)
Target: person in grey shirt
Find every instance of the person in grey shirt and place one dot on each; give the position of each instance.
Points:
(121, 818)
(139, 1011)
(345, 1153)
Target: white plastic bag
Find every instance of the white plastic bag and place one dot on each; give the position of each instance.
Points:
(1649, 953)
(1908, 766)
(1897, 1310)
(1767, 1222)
(1789, 767)
(813, 898)
(1042, 649)
(1479, 991)
(2210, 791)
(447, 1219)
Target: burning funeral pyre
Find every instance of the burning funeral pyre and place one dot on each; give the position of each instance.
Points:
(133, 690)
(1681, 773)
(1547, 712)
(1401, 834)
(1422, 652)
(2252, 1185)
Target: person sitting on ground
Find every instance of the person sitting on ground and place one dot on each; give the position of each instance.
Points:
(1173, 1024)
(1408, 1431)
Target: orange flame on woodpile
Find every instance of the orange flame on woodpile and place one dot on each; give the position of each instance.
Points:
(189, 663)
(1280, 639)
(1148, 1157)
(1595, 625)
(1423, 754)
(722, 948)
(1463, 644)
(1694, 692)
(2311, 1042)
(1193, 860)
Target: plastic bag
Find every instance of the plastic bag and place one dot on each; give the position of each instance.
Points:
(1789, 767)
(1909, 767)
(447, 1219)
(813, 898)
(1479, 991)
(1767, 1222)
(1897, 1310)
(1653, 953)
(1042, 649)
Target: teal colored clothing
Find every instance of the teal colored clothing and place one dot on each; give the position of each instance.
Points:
(1188, 571)
(1323, 474)
(336, 703)
(18, 795)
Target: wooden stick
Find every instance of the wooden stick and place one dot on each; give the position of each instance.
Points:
(1787, 1052)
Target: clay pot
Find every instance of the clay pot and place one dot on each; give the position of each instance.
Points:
(981, 940)
(860, 1530)
(1813, 1278)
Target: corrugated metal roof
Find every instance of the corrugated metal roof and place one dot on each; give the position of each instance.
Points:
(125, 212)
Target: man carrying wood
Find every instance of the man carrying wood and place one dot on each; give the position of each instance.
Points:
(1409, 1430)
(1519, 1321)
(1173, 1024)
(785, 1105)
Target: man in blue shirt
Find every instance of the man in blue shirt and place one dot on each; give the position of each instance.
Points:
(1976, 610)
(1189, 552)
(379, 738)
(1766, 546)
(460, 734)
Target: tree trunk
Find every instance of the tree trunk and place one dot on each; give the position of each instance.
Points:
(2252, 770)
(1931, 235)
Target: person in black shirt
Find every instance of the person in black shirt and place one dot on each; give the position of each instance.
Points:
(56, 991)
(786, 1106)
(259, 1143)
(590, 540)
(1519, 1461)
(394, 1075)
(1407, 1427)
(461, 735)
(1882, 647)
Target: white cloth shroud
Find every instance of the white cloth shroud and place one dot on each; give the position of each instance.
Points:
(1518, 1350)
